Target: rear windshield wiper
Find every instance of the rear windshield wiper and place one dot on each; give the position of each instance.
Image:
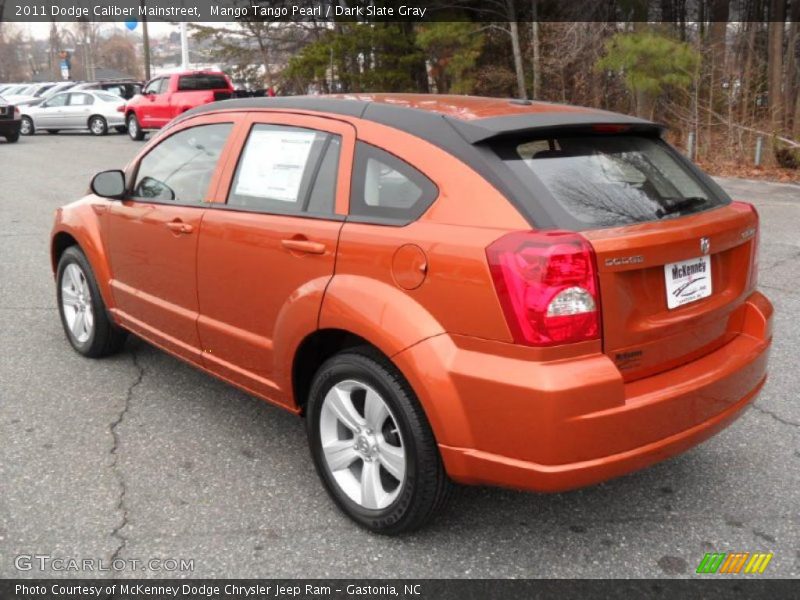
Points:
(670, 206)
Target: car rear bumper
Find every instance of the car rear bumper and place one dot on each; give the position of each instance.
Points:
(570, 423)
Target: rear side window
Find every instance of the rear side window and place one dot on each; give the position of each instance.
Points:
(201, 82)
(608, 180)
(80, 99)
(387, 189)
(180, 168)
(287, 170)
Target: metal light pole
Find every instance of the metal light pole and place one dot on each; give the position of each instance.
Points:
(184, 47)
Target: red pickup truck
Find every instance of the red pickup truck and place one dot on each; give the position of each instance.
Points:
(167, 96)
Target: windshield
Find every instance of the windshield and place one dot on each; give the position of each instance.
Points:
(43, 89)
(609, 180)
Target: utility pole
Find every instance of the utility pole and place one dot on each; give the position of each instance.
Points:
(146, 43)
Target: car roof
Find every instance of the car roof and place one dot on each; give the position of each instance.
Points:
(476, 119)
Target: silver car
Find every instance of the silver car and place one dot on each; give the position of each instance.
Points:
(93, 110)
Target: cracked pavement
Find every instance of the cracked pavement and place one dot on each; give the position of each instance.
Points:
(140, 456)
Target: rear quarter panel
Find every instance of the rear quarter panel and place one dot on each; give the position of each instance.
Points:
(457, 294)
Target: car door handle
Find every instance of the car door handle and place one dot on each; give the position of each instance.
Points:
(179, 227)
(303, 245)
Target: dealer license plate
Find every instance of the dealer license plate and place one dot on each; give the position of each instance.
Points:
(687, 281)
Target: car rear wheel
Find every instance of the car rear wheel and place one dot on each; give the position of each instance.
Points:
(98, 125)
(26, 126)
(83, 312)
(372, 445)
(134, 131)
(12, 137)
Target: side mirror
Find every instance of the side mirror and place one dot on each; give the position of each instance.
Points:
(109, 184)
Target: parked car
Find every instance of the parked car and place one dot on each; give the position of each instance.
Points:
(49, 93)
(9, 121)
(95, 111)
(28, 93)
(166, 97)
(124, 88)
(448, 288)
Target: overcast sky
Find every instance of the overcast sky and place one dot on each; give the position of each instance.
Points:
(42, 30)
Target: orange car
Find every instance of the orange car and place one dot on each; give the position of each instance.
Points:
(448, 288)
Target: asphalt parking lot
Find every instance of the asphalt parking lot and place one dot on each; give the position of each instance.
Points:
(140, 456)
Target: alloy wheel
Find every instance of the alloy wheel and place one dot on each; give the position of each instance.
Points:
(76, 303)
(362, 444)
(97, 126)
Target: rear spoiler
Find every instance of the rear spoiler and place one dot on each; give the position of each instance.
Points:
(496, 128)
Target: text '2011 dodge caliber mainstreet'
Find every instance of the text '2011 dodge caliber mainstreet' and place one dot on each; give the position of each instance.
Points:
(448, 288)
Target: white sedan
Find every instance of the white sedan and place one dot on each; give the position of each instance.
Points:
(92, 110)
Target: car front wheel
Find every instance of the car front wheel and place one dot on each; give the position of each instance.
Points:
(134, 131)
(372, 445)
(26, 126)
(83, 312)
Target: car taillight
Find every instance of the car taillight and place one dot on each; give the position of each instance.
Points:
(547, 285)
(17, 114)
(121, 108)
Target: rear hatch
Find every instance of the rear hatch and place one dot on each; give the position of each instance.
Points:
(675, 257)
(672, 292)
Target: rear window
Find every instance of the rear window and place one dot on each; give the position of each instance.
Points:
(202, 82)
(608, 180)
(108, 97)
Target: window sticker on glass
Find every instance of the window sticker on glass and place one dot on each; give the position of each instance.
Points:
(273, 164)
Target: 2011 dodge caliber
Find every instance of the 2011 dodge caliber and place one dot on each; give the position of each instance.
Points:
(448, 288)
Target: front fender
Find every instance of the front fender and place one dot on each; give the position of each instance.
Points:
(82, 221)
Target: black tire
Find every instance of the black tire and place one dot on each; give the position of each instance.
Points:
(106, 338)
(12, 137)
(134, 131)
(120, 129)
(27, 127)
(426, 486)
(53, 131)
(98, 125)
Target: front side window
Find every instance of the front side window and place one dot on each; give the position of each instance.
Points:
(180, 168)
(608, 180)
(387, 189)
(154, 87)
(286, 170)
(58, 100)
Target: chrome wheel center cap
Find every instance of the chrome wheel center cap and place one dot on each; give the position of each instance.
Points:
(365, 445)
